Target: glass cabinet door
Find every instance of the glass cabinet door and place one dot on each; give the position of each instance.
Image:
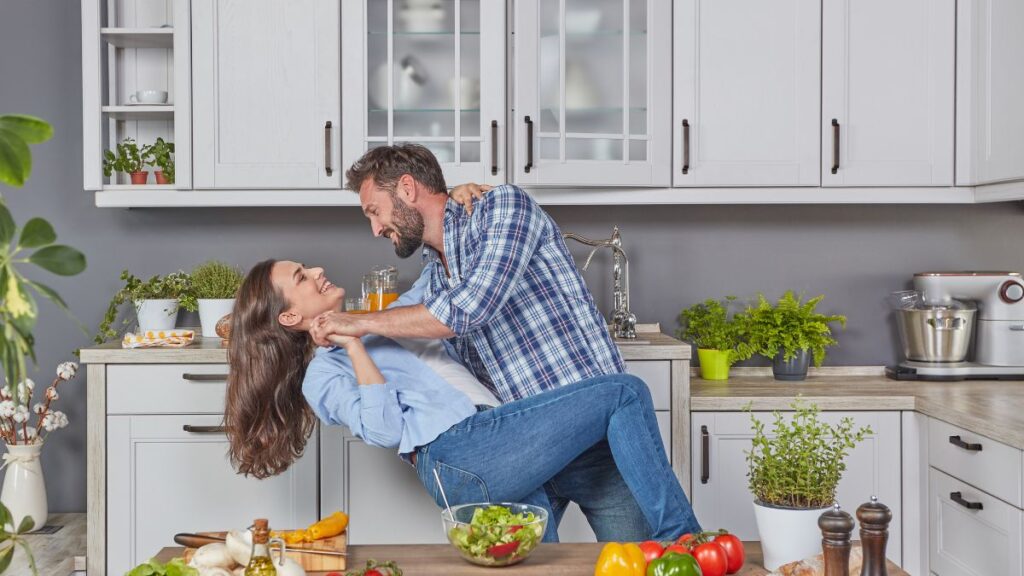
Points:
(429, 72)
(593, 92)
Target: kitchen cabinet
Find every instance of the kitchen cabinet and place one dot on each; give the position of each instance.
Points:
(430, 74)
(887, 92)
(266, 80)
(989, 92)
(169, 471)
(747, 77)
(591, 102)
(721, 497)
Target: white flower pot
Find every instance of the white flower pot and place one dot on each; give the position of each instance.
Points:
(787, 534)
(24, 491)
(210, 311)
(157, 314)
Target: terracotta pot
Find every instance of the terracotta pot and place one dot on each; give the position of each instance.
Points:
(140, 177)
(160, 178)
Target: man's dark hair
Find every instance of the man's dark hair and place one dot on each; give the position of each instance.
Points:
(386, 164)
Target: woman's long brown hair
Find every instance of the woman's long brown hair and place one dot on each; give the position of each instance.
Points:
(266, 416)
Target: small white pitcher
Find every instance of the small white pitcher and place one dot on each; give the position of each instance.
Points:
(24, 490)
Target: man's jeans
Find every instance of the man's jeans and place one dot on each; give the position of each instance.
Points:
(584, 442)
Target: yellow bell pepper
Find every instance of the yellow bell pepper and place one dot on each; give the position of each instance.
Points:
(331, 526)
(620, 560)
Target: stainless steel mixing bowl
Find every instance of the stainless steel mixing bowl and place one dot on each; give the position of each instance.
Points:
(936, 334)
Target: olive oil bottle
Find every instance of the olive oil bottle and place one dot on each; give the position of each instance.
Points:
(260, 563)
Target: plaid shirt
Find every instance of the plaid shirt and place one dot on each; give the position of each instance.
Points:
(523, 317)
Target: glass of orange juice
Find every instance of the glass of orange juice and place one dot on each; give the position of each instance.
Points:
(356, 306)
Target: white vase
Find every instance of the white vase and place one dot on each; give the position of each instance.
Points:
(210, 311)
(24, 491)
(787, 534)
(157, 314)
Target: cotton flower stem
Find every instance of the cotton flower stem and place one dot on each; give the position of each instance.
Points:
(46, 406)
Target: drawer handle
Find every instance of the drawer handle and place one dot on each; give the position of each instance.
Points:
(705, 464)
(205, 377)
(328, 154)
(959, 499)
(956, 441)
(686, 146)
(835, 146)
(494, 147)
(529, 145)
(204, 429)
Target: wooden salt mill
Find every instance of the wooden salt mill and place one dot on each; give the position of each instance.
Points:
(836, 528)
(874, 518)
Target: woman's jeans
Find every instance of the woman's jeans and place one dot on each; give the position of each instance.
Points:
(508, 453)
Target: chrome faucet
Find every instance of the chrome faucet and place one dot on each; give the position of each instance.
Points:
(622, 320)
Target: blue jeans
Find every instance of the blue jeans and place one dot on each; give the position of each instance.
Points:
(553, 446)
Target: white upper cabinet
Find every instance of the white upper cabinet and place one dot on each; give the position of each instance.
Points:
(990, 92)
(887, 92)
(592, 92)
(432, 73)
(747, 82)
(266, 93)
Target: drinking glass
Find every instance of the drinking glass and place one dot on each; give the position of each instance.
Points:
(356, 306)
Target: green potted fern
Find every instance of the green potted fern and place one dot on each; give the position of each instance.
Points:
(790, 332)
(214, 285)
(718, 337)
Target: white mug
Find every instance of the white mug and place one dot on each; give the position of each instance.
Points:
(148, 97)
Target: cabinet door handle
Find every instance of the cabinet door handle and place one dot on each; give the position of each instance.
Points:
(204, 429)
(686, 146)
(328, 155)
(956, 441)
(529, 144)
(835, 145)
(705, 455)
(959, 499)
(205, 377)
(494, 147)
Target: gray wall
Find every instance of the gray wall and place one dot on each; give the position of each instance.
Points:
(855, 255)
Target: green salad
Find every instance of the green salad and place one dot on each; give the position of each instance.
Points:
(495, 536)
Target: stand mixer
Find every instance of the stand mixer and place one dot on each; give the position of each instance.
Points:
(936, 336)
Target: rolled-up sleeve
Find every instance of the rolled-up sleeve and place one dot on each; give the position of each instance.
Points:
(371, 412)
(508, 236)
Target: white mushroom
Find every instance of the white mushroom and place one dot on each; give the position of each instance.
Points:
(213, 556)
(213, 571)
(289, 568)
(239, 543)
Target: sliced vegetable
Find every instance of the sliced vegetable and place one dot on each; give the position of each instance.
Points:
(175, 567)
(620, 560)
(502, 550)
(495, 535)
(331, 526)
(374, 568)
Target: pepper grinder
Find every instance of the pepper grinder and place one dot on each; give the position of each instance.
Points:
(836, 528)
(874, 518)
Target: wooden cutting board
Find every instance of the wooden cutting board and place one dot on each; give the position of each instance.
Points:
(309, 562)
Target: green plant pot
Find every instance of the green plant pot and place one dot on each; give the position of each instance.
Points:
(714, 364)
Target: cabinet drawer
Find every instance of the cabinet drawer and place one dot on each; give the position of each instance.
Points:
(658, 376)
(982, 462)
(971, 542)
(166, 388)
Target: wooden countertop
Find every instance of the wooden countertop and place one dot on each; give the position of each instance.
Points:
(57, 554)
(992, 408)
(546, 560)
(650, 344)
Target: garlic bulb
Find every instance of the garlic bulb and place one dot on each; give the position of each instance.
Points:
(239, 543)
(213, 556)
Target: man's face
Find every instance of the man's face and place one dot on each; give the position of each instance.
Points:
(391, 217)
(309, 293)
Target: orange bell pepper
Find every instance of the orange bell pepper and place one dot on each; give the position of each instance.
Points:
(621, 560)
(331, 526)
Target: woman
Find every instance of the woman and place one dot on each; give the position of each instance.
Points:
(387, 396)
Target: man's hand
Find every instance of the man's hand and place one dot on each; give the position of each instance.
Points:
(331, 324)
(464, 194)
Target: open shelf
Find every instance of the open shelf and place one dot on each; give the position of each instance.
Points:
(139, 112)
(140, 187)
(138, 37)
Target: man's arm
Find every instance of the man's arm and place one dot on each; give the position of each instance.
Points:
(395, 322)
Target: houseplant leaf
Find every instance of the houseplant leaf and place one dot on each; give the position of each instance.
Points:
(29, 128)
(59, 259)
(37, 232)
(5, 558)
(26, 525)
(7, 225)
(15, 159)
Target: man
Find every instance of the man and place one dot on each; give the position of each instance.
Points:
(504, 291)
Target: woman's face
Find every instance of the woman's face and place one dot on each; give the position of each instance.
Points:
(308, 292)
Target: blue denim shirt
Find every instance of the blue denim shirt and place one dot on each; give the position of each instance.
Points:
(411, 408)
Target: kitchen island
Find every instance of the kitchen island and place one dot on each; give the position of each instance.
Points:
(546, 560)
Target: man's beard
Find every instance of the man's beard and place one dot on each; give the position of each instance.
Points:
(409, 226)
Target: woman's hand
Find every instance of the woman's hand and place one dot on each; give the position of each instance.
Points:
(329, 324)
(464, 194)
(344, 341)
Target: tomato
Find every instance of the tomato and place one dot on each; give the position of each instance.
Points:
(712, 559)
(372, 572)
(677, 548)
(502, 550)
(685, 540)
(652, 550)
(733, 551)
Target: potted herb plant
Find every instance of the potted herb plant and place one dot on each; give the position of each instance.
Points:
(130, 159)
(793, 475)
(161, 156)
(789, 332)
(156, 303)
(718, 337)
(214, 285)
